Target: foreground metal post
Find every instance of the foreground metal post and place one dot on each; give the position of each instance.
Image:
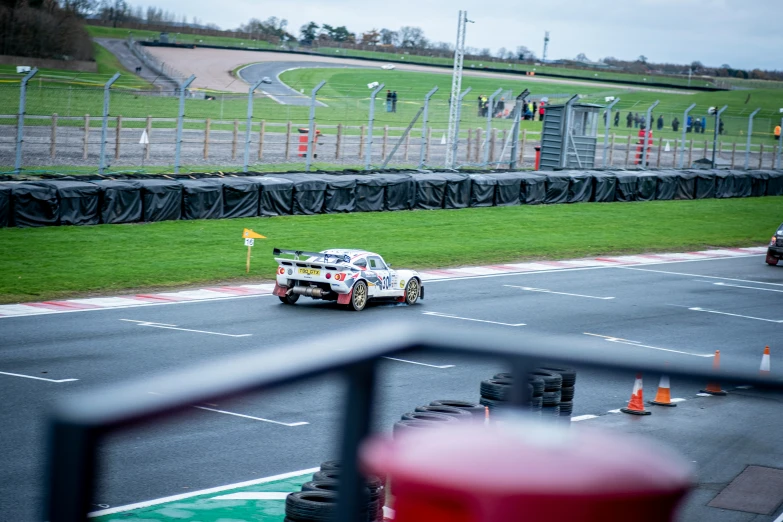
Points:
(715, 134)
(311, 128)
(750, 132)
(455, 144)
(105, 124)
(684, 130)
(71, 479)
(249, 122)
(425, 121)
(490, 111)
(520, 101)
(368, 151)
(20, 121)
(647, 133)
(780, 145)
(180, 120)
(608, 125)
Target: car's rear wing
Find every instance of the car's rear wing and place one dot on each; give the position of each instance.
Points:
(299, 253)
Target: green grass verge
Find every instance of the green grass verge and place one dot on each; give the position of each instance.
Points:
(57, 262)
(181, 38)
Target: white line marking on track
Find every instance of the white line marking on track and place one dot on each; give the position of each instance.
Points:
(583, 417)
(38, 378)
(174, 327)
(742, 286)
(698, 309)
(544, 291)
(421, 364)
(174, 498)
(254, 495)
(699, 275)
(678, 399)
(640, 345)
(614, 411)
(448, 316)
(290, 425)
(779, 519)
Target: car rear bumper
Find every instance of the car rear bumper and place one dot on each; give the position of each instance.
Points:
(775, 251)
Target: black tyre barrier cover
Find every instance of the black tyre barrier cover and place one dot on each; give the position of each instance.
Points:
(646, 186)
(315, 506)
(604, 187)
(566, 393)
(457, 193)
(482, 191)
(580, 188)
(566, 407)
(471, 407)
(705, 185)
(567, 375)
(551, 398)
(439, 418)
(758, 183)
(34, 204)
(5, 205)
(400, 191)
(496, 389)
(406, 426)
(508, 190)
(775, 183)
(340, 193)
(686, 185)
(533, 189)
(667, 185)
(557, 184)
(120, 201)
(276, 197)
(240, 197)
(161, 200)
(552, 381)
(370, 191)
(309, 193)
(627, 184)
(330, 465)
(457, 413)
(79, 202)
(430, 190)
(202, 199)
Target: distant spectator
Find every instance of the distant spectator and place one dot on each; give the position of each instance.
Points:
(675, 124)
(501, 108)
(703, 124)
(541, 112)
(777, 132)
(388, 101)
(720, 126)
(689, 124)
(480, 104)
(697, 125)
(636, 120)
(617, 119)
(394, 101)
(629, 120)
(660, 122)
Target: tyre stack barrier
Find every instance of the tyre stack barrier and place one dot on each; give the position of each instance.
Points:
(435, 414)
(553, 384)
(317, 501)
(568, 377)
(497, 390)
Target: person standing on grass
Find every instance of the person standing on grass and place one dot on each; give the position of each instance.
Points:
(394, 101)
(388, 101)
(675, 124)
(703, 124)
(541, 112)
(697, 125)
(720, 126)
(777, 132)
(660, 122)
(535, 111)
(479, 104)
(629, 120)
(617, 119)
(689, 124)
(636, 120)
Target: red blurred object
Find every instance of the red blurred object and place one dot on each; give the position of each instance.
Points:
(640, 145)
(527, 472)
(538, 157)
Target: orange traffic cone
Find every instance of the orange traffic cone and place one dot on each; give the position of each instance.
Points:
(713, 388)
(663, 397)
(765, 368)
(636, 404)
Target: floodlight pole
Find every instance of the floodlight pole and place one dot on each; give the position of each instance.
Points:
(685, 129)
(490, 110)
(608, 126)
(648, 133)
(368, 151)
(104, 127)
(311, 127)
(750, 132)
(456, 87)
(520, 103)
(715, 134)
(181, 120)
(20, 121)
(424, 144)
(455, 144)
(249, 121)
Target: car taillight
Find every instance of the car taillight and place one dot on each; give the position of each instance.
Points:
(773, 240)
(280, 270)
(339, 277)
(329, 276)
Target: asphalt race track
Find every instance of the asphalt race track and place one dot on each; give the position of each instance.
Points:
(681, 310)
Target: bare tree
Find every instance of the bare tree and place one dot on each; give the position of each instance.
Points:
(582, 57)
(412, 37)
(389, 37)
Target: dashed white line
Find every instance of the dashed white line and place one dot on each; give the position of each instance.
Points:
(699, 275)
(449, 316)
(698, 309)
(421, 364)
(640, 345)
(289, 424)
(742, 286)
(545, 291)
(174, 327)
(37, 378)
(583, 417)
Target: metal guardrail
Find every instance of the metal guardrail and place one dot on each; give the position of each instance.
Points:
(79, 422)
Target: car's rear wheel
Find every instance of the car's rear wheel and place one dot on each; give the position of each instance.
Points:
(289, 299)
(772, 260)
(412, 291)
(359, 296)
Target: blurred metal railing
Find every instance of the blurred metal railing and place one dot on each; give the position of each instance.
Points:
(78, 423)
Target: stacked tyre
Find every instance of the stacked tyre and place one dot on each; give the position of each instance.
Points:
(317, 501)
(553, 384)
(437, 413)
(568, 376)
(497, 390)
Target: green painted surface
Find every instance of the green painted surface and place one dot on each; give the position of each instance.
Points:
(204, 508)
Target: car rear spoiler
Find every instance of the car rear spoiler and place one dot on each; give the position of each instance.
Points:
(298, 253)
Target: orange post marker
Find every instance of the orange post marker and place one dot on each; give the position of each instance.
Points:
(663, 397)
(765, 366)
(713, 388)
(636, 404)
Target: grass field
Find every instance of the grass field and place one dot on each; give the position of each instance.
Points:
(111, 32)
(56, 262)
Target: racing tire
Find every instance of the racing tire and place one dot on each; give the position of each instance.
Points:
(289, 299)
(567, 374)
(429, 417)
(552, 381)
(359, 296)
(410, 426)
(315, 506)
(496, 389)
(772, 260)
(461, 415)
(566, 394)
(471, 407)
(331, 465)
(538, 386)
(492, 404)
(551, 398)
(503, 376)
(566, 408)
(331, 474)
(412, 291)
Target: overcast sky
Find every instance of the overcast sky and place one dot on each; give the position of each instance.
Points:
(741, 33)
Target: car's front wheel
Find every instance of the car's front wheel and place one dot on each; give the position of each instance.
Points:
(772, 260)
(359, 296)
(289, 299)
(412, 291)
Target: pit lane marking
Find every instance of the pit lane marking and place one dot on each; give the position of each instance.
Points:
(640, 345)
(699, 275)
(545, 291)
(698, 309)
(421, 364)
(448, 316)
(175, 327)
(38, 378)
(742, 286)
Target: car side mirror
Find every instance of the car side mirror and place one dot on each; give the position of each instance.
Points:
(388, 264)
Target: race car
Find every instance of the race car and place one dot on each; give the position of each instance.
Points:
(350, 277)
(775, 248)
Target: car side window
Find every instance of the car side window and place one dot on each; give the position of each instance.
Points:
(361, 263)
(377, 264)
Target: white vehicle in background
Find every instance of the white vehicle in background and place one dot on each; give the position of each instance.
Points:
(387, 67)
(350, 277)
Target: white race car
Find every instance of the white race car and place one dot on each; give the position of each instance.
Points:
(350, 277)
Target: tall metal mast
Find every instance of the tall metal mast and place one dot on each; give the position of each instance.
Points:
(456, 89)
(546, 44)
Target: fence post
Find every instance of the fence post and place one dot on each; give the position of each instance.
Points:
(627, 151)
(490, 109)
(647, 133)
(750, 132)
(180, 121)
(288, 141)
(407, 146)
(479, 145)
(492, 143)
(149, 138)
(715, 133)
(706, 144)
(361, 141)
(660, 144)
(429, 140)
(105, 124)
(611, 149)
(607, 121)
(761, 154)
(249, 127)
(117, 137)
(207, 124)
(86, 135)
(20, 121)
(470, 144)
(311, 129)
(733, 153)
(338, 140)
(234, 140)
(455, 145)
(522, 148)
(425, 137)
(690, 154)
(674, 159)
(261, 132)
(53, 140)
(684, 130)
(368, 152)
(512, 164)
(385, 140)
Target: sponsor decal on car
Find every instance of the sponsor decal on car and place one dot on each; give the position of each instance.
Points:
(402, 284)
